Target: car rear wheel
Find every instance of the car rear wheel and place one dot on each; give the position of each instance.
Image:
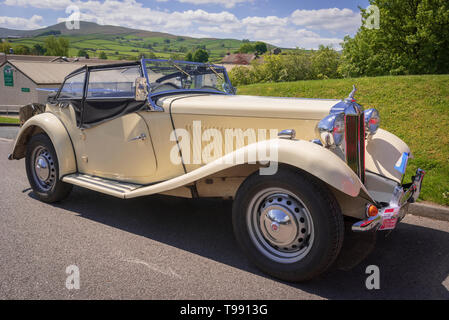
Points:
(42, 169)
(289, 224)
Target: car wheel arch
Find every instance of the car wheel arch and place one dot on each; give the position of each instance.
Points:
(50, 125)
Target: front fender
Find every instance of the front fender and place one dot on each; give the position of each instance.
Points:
(53, 127)
(383, 150)
(321, 163)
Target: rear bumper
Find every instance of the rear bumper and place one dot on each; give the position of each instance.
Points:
(389, 216)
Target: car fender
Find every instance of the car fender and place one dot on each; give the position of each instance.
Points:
(312, 158)
(383, 150)
(56, 131)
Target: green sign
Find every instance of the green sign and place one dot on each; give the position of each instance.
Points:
(25, 89)
(8, 76)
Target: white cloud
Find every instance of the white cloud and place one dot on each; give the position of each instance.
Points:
(303, 28)
(21, 23)
(225, 3)
(327, 19)
(41, 4)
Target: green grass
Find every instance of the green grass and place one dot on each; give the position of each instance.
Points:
(8, 120)
(415, 108)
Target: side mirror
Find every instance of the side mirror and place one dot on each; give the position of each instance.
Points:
(51, 97)
(229, 88)
(141, 89)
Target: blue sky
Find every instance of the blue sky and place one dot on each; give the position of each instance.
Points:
(300, 23)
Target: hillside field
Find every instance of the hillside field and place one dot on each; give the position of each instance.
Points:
(415, 108)
(130, 46)
(120, 42)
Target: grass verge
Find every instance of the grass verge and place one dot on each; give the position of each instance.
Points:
(8, 120)
(415, 108)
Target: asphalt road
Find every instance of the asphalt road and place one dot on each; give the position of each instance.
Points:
(165, 248)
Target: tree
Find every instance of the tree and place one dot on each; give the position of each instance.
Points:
(102, 55)
(22, 49)
(325, 63)
(413, 38)
(247, 48)
(201, 55)
(5, 47)
(56, 46)
(189, 56)
(260, 47)
(38, 50)
(82, 53)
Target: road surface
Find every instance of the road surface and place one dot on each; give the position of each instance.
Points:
(165, 248)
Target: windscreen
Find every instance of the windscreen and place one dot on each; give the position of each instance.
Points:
(167, 76)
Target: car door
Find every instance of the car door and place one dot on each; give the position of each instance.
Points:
(115, 140)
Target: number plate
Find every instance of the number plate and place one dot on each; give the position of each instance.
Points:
(390, 219)
(389, 224)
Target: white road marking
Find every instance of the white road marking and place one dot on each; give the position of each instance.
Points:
(165, 271)
(6, 140)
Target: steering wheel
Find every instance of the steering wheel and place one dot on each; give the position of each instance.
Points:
(160, 87)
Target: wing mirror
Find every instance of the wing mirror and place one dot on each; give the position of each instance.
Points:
(51, 98)
(228, 88)
(141, 89)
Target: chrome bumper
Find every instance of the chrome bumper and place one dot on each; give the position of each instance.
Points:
(389, 216)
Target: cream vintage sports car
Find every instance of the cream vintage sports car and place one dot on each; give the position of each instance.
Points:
(295, 168)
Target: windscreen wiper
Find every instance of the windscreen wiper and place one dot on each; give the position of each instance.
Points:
(215, 71)
(179, 68)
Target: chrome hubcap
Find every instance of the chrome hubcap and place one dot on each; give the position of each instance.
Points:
(280, 225)
(42, 168)
(44, 172)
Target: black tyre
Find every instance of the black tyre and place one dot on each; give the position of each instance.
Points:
(289, 224)
(42, 169)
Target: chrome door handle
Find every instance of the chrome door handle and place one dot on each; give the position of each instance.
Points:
(142, 137)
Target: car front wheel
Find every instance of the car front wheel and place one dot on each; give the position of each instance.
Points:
(42, 169)
(289, 224)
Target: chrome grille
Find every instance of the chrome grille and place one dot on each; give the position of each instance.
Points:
(355, 144)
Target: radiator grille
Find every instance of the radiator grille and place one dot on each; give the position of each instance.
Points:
(355, 144)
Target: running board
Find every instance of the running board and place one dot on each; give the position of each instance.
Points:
(111, 187)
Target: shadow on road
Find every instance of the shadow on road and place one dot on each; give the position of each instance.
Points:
(413, 260)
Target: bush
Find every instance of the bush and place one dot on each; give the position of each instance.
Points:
(293, 66)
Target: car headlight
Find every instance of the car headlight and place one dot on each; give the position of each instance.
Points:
(372, 121)
(331, 130)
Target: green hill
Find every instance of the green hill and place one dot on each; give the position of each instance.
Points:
(120, 42)
(415, 108)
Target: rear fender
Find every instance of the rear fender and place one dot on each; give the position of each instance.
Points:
(49, 124)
